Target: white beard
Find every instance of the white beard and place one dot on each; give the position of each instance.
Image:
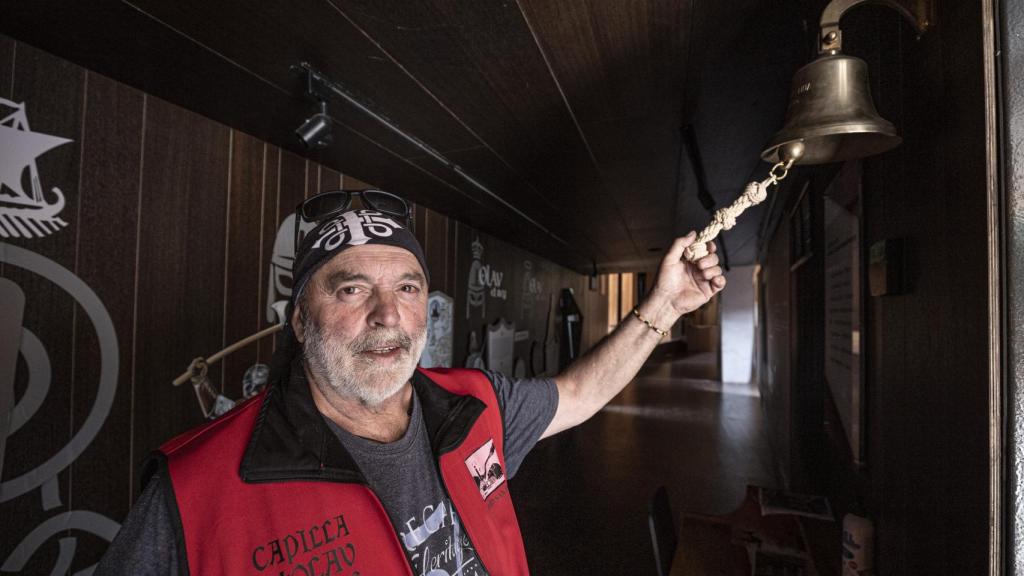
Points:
(354, 374)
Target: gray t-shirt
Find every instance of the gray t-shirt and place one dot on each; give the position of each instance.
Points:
(404, 476)
(402, 473)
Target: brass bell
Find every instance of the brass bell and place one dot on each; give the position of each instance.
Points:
(830, 108)
(831, 112)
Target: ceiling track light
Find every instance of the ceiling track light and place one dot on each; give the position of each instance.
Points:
(315, 132)
(321, 87)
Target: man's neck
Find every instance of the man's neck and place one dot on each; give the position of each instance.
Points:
(386, 422)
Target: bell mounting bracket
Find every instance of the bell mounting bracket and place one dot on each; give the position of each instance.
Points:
(920, 13)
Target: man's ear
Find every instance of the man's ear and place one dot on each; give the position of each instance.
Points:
(297, 323)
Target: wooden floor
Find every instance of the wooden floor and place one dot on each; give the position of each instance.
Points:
(582, 496)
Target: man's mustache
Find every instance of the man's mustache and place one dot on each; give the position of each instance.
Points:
(382, 338)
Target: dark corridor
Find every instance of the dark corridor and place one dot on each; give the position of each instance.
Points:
(585, 493)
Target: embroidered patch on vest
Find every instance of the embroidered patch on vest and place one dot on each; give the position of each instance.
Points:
(483, 465)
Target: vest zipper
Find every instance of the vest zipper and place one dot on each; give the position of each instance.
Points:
(442, 430)
(455, 514)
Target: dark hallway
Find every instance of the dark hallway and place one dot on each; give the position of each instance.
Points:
(584, 494)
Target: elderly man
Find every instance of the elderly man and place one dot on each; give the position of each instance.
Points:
(355, 462)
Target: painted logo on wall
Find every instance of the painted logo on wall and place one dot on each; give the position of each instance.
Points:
(484, 281)
(476, 294)
(279, 284)
(25, 210)
(533, 290)
(15, 412)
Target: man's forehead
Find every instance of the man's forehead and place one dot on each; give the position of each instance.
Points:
(371, 260)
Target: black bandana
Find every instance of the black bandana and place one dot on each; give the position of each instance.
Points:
(348, 229)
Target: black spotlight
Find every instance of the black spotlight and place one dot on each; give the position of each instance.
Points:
(315, 132)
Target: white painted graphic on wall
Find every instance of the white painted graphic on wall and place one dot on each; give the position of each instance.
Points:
(484, 281)
(25, 210)
(476, 293)
(279, 284)
(533, 290)
(438, 351)
(15, 412)
(500, 346)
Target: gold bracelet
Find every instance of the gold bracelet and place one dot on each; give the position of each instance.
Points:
(636, 312)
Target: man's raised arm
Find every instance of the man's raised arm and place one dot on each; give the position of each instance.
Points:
(596, 377)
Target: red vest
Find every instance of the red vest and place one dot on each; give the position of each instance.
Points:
(268, 488)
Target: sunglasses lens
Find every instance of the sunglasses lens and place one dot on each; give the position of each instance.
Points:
(324, 204)
(385, 202)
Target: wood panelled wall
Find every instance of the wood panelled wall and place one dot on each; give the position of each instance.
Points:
(924, 480)
(171, 222)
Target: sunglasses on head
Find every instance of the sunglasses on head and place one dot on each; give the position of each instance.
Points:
(324, 205)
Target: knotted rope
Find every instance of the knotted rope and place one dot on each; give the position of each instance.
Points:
(725, 218)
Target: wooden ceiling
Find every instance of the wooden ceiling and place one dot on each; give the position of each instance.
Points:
(570, 111)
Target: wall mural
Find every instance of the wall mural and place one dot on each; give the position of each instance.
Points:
(485, 280)
(279, 290)
(279, 282)
(24, 214)
(53, 525)
(14, 413)
(30, 215)
(533, 291)
(505, 283)
(476, 293)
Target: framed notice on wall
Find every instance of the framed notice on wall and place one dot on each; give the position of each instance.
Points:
(843, 304)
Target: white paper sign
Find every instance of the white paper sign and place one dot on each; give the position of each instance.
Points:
(438, 351)
(500, 346)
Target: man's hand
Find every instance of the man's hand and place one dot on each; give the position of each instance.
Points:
(591, 381)
(688, 285)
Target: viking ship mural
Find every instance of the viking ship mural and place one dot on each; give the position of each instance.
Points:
(25, 214)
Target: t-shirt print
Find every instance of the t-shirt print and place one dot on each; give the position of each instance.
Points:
(436, 544)
(404, 475)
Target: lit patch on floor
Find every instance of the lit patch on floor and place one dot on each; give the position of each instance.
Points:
(667, 413)
(699, 385)
(741, 389)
